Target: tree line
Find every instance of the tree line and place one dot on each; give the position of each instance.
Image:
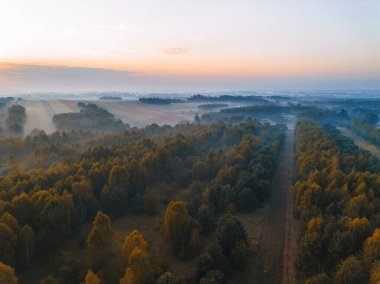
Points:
(337, 199)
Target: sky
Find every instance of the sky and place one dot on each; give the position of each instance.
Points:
(188, 45)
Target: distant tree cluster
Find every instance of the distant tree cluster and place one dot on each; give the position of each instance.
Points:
(5, 100)
(90, 117)
(228, 98)
(323, 115)
(371, 118)
(208, 107)
(110, 98)
(16, 119)
(276, 112)
(337, 200)
(160, 101)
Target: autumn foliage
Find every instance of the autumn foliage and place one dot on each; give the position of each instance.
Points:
(337, 200)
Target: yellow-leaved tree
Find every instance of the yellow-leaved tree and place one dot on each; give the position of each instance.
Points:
(100, 241)
(134, 240)
(139, 270)
(7, 274)
(91, 278)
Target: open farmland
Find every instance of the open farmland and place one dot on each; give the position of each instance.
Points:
(39, 113)
(138, 114)
(361, 142)
(38, 116)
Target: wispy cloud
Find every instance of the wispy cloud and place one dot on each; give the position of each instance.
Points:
(176, 50)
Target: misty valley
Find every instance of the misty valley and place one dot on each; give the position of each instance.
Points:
(201, 188)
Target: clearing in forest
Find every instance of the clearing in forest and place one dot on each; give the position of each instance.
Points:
(274, 225)
(360, 142)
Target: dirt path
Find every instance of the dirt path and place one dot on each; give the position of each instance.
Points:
(360, 141)
(291, 224)
(278, 240)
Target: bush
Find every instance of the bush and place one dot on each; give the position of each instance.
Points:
(230, 232)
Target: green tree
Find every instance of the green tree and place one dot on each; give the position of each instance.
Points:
(26, 241)
(84, 199)
(151, 202)
(213, 277)
(168, 278)
(8, 240)
(206, 219)
(239, 255)
(350, 271)
(230, 232)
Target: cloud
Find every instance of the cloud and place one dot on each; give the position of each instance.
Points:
(176, 50)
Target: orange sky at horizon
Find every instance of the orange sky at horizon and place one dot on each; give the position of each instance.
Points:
(239, 39)
(212, 66)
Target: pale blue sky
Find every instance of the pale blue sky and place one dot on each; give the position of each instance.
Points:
(209, 44)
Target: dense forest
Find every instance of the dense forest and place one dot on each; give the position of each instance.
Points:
(338, 202)
(201, 174)
(101, 202)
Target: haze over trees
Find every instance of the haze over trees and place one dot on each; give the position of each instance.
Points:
(202, 170)
(90, 117)
(185, 203)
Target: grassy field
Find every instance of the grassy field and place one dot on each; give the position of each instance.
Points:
(360, 142)
(38, 116)
(138, 114)
(39, 113)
